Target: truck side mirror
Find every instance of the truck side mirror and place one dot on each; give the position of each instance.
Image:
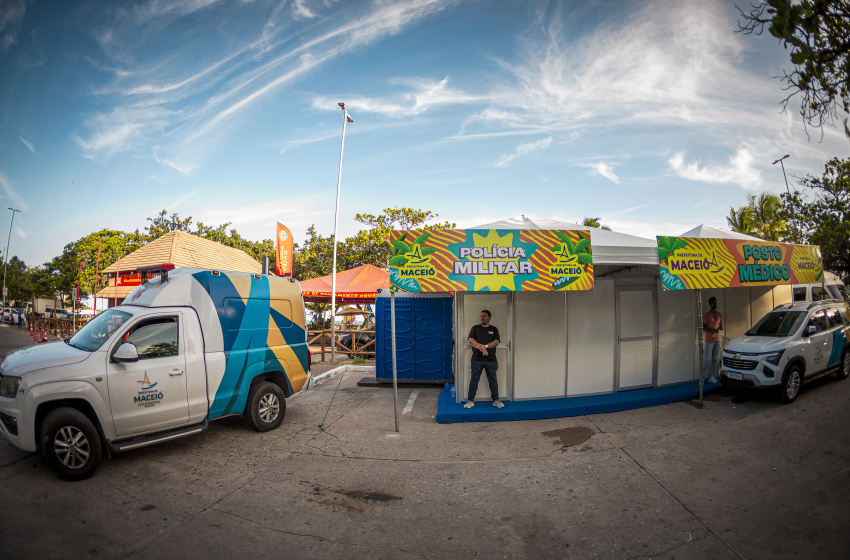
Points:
(126, 353)
(812, 330)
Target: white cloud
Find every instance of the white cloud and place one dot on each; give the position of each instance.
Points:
(29, 145)
(522, 150)
(120, 130)
(21, 233)
(9, 192)
(181, 200)
(11, 15)
(739, 171)
(606, 171)
(184, 170)
(256, 221)
(300, 10)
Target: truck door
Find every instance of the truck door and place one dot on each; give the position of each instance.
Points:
(150, 394)
(820, 343)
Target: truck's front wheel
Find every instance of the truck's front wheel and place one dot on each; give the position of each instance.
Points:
(70, 443)
(266, 406)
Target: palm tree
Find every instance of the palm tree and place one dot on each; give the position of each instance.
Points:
(763, 217)
(742, 220)
(594, 223)
(769, 216)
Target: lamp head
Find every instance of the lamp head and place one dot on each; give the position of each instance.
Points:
(349, 118)
(341, 105)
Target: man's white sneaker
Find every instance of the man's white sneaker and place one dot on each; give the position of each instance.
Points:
(498, 404)
(469, 404)
(713, 380)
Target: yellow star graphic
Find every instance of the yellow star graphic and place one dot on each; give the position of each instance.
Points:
(493, 281)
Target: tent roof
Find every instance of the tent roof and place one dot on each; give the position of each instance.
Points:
(609, 247)
(705, 231)
(184, 249)
(357, 284)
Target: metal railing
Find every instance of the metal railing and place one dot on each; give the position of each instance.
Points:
(62, 328)
(322, 338)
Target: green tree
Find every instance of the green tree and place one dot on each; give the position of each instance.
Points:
(594, 223)
(742, 220)
(112, 244)
(818, 34)
(162, 224)
(764, 216)
(18, 280)
(824, 215)
(372, 246)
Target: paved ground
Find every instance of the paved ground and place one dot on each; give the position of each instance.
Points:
(754, 480)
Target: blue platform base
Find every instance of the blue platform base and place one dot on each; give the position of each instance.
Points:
(450, 411)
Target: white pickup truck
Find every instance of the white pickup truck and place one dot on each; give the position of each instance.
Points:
(186, 347)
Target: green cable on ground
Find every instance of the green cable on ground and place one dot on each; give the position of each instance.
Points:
(321, 426)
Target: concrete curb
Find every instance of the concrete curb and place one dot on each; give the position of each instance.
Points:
(330, 374)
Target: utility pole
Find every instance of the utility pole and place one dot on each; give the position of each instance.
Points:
(779, 161)
(6, 256)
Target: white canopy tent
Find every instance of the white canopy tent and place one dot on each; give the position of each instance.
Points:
(609, 247)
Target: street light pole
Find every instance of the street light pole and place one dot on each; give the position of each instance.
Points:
(6, 256)
(345, 119)
(779, 161)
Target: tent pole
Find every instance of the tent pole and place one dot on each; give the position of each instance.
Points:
(701, 350)
(395, 370)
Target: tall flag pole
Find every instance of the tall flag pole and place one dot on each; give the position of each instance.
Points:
(345, 118)
(96, 271)
(283, 266)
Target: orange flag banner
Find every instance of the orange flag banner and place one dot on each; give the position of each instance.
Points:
(283, 240)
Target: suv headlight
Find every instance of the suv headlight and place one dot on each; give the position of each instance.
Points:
(9, 386)
(774, 358)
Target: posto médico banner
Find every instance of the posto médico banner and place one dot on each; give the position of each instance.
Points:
(690, 263)
(494, 260)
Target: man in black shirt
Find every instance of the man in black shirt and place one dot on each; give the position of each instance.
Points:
(484, 338)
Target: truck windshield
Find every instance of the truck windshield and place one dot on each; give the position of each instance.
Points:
(98, 330)
(778, 323)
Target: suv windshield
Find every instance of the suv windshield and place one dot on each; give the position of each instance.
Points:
(98, 330)
(778, 323)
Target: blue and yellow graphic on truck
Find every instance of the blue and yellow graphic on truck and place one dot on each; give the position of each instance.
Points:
(260, 334)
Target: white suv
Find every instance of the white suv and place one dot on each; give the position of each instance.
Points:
(793, 344)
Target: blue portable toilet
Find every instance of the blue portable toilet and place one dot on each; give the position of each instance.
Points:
(423, 335)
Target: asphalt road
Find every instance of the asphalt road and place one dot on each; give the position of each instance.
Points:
(738, 479)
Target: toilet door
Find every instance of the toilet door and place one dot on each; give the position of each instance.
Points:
(635, 337)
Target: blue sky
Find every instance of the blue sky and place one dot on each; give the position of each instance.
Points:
(653, 115)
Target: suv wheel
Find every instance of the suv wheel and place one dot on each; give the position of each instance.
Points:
(70, 443)
(792, 385)
(266, 406)
(844, 369)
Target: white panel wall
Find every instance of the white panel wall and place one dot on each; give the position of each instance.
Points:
(736, 313)
(676, 336)
(540, 347)
(592, 335)
(782, 294)
(762, 302)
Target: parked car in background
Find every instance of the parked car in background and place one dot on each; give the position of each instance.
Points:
(10, 316)
(831, 288)
(794, 344)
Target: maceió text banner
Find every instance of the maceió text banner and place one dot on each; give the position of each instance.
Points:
(475, 260)
(691, 263)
